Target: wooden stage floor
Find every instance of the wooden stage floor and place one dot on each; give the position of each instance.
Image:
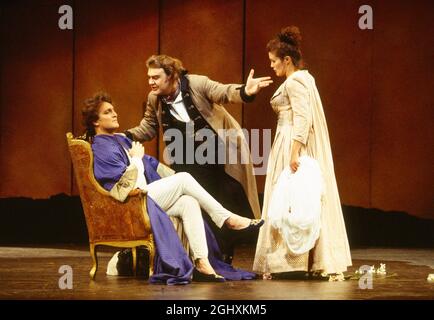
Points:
(32, 272)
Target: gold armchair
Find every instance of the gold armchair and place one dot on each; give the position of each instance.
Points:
(109, 222)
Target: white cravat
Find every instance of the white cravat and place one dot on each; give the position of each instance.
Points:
(178, 110)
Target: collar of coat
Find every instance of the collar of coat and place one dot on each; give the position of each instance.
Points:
(185, 84)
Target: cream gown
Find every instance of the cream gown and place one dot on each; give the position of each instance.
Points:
(301, 117)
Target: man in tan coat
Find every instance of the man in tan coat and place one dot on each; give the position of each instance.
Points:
(188, 109)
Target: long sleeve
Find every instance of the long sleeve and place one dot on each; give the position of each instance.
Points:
(112, 167)
(126, 183)
(148, 127)
(133, 178)
(109, 165)
(302, 113)
(223, 93)
(164, 171)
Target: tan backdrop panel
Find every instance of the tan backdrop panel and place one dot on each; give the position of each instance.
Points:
(36, 95)
(208, 38)
(403, 113)
(338, 55)
(113, 39)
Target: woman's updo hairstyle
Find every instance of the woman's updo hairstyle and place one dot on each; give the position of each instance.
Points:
(287, 43)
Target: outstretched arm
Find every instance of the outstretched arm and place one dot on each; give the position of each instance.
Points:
(232, 93)
(148, 127)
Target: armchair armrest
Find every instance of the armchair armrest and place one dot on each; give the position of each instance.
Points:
(136, 192)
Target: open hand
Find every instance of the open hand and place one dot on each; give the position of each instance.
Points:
(253, 85)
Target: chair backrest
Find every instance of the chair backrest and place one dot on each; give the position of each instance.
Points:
(106, 218)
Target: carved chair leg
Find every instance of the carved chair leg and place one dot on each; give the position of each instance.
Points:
(151, 257)
(94, 260)
(134, 251)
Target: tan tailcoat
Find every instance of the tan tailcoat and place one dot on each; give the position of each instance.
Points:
(209, 96)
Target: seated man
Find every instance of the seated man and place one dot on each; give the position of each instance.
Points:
(119, 166)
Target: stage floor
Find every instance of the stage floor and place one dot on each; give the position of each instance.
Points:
(32, 272)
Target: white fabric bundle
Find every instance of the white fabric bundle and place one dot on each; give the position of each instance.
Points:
(295, 205)
(112, 270)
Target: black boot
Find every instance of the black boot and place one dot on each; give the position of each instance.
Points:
(125, 263)
(227, 250)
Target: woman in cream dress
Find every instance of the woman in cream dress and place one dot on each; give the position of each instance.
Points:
(301, 130)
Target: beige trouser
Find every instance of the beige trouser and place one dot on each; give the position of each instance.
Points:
(180, 195)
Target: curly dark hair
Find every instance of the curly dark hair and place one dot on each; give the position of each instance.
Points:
(171, 66)
(90, 111)
(288, 43)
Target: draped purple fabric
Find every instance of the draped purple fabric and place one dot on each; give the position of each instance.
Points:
(111, 160)
(171, 264)
(221, 267)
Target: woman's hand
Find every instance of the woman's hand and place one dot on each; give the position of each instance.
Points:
(294, 163)
(137, 150)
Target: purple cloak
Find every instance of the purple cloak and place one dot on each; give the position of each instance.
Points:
(172, 264)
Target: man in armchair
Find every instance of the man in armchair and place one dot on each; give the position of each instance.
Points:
(120, 166)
